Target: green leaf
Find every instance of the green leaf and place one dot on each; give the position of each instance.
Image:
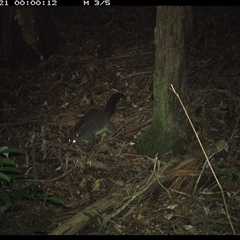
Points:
(55, 200)
(12, 150)
(6, 199)
(17, 201)
(10, 169)
(7, 161)
(13, 195)
(10, 199)
(31, 192)
(224, 177)
(2, 148)
(5, 177)
(34, 230)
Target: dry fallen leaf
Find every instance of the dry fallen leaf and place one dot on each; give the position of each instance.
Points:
(96, 185)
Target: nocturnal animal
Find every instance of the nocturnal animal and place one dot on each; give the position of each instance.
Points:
(95, 122)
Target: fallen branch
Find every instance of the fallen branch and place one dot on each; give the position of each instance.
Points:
(115, 202)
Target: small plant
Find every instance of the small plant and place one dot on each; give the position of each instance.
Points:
(225, 176)
(11, 197)
(8, 168)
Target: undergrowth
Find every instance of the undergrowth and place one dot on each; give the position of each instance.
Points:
(11, 197)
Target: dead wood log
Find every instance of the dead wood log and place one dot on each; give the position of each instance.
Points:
(82, 219)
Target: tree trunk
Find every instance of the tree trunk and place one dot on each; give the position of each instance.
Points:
(168, 129)
(28, 35)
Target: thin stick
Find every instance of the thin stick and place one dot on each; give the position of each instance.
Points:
(205, 155)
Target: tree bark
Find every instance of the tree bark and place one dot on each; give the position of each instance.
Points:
(168, 129)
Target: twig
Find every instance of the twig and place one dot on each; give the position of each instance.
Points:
(207, 159)
(48, 180)
(152, 179)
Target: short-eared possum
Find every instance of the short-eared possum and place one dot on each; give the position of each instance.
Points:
(95, 122)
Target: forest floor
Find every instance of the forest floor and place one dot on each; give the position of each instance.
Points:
(112, 49)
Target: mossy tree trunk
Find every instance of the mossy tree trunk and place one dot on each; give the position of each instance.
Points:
(169, 125)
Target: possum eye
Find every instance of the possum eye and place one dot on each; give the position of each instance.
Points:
(74, 141)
